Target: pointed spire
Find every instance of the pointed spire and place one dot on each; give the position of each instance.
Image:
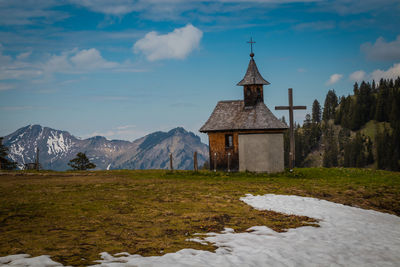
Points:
(252, 76)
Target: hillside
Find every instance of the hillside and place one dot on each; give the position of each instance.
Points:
(369, 131)
(152, 151)
(359, 130)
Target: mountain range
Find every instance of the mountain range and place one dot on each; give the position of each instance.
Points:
(57, 148)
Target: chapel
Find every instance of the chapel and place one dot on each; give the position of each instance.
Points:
(244, 135)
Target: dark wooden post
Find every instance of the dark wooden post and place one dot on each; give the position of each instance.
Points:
(195, 167)
(215, 161)
(292, 155)
(291, 126)
(229, 161)
(37, 159)
(171, 165)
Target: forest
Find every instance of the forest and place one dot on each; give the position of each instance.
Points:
(359, 130)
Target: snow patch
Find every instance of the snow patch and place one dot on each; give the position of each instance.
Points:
(17, 150)
(56, 144)
(25, 260)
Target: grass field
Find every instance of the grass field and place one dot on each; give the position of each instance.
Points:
(73, 216)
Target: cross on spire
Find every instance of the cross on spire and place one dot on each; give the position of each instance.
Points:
(251, 46)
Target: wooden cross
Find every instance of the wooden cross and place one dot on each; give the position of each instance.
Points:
(291, 129)
(251, 44)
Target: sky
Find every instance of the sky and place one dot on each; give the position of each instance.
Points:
(125, 68)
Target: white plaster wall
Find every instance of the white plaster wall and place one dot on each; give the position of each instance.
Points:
(261, 152)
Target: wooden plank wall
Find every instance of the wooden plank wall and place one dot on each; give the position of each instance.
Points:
(217, 145)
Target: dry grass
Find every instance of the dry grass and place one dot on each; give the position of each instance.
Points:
(73, 216)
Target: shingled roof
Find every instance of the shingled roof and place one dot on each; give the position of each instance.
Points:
(252, 76)
(232, 115)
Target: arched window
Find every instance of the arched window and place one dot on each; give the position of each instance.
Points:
(258, 93)
(228, 141)
(248, 92)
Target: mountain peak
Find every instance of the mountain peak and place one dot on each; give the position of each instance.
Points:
(178, 130)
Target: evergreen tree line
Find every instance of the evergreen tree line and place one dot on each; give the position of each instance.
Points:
(338, 133)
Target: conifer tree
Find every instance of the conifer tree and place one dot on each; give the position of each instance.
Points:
(330, 158)
(5, 164)
(316, 112)
(81, 162)
(331, 102)
(381, 113)
(355, 88)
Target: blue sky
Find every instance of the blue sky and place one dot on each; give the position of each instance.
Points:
(125, 68)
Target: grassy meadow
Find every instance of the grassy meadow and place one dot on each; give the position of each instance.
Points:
(73, 216)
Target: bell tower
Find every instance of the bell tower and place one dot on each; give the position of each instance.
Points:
(253, 83)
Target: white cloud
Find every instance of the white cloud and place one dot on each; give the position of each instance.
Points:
(57, 63)
(115, 7)
(177, 44)
(91, 59)
(358, 76)
(382, 50)
(72, 61)
(334, 79)
(391, 73)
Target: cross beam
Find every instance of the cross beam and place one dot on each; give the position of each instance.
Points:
(291, 127)
(251, 44)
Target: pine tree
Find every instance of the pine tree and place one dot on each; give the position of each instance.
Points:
(5, 164)
(307, 135)
(381, 112)
(373, 87)
(81, 162)
(358, 151)
(330, 158)
(355, 88)
(331, 102)
(316, 112)
(385, 150)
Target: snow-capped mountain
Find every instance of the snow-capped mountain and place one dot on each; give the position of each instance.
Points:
(152, 151)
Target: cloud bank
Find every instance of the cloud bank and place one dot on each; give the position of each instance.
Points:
(382, 50)
(174, 45)
(391, 73)
(75, 61)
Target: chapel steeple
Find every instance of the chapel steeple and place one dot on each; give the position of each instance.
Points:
(252, 83)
